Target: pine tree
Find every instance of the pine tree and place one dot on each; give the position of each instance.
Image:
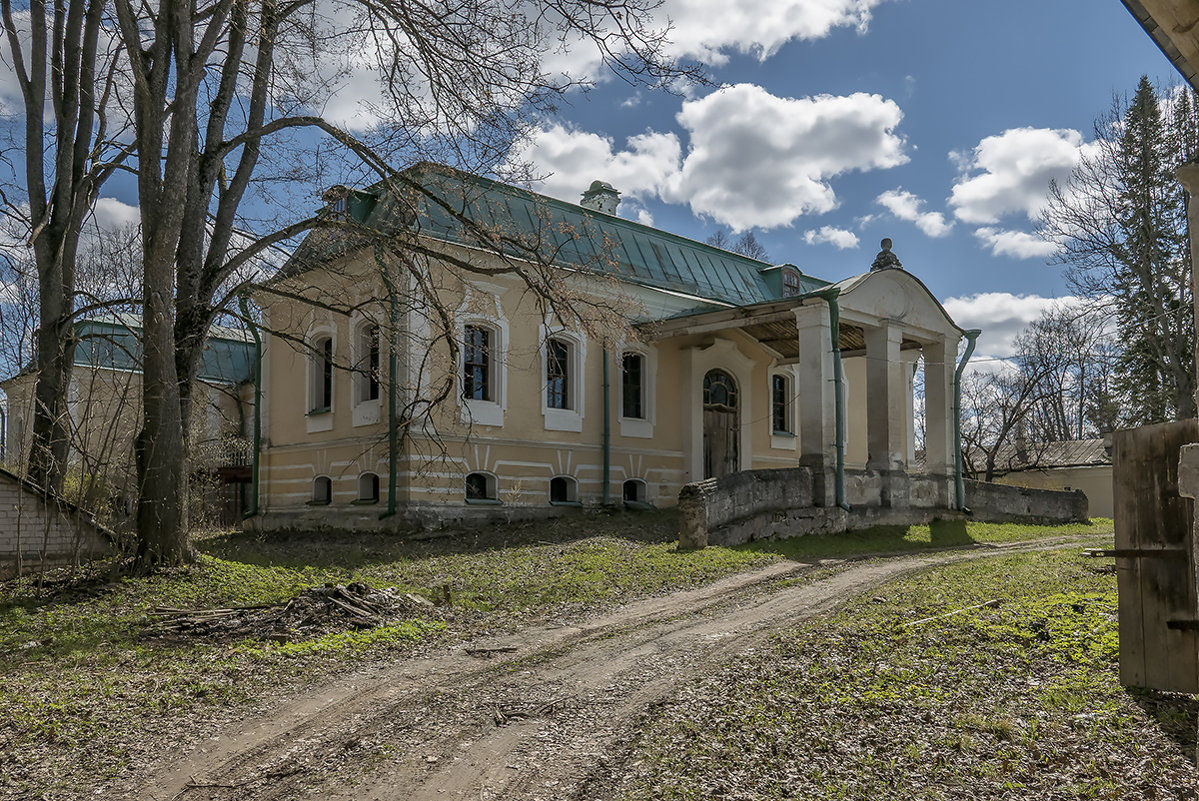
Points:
(1121, 221)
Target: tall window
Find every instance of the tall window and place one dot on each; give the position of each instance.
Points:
(320, 375)
(790, 283)
(368, 363)
(557, 374)
(780, 404)
(322, 491)
(476, 364)
(632, 385)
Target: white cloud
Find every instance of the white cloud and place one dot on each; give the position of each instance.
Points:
(710, 31)
(1001, 316)
(1010, 173)
(906, 206)
(757, 160)
(758, 27)
(1017, 244)
(753, 159)
(837, 237)
(112, 213)
(573, 159)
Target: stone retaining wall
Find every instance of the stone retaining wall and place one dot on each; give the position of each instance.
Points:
(1002, 503)
(776, 504)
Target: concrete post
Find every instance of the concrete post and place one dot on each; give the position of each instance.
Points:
(940, 360)
(1188, 176)
(817, 417)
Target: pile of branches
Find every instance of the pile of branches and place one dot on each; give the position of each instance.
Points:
(315, 611)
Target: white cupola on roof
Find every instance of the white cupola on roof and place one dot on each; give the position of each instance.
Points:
(601, 197)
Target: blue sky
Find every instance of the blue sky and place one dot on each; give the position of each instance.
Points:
(937, 123)
(934, 122)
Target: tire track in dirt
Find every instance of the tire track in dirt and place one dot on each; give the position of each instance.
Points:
(555, 720)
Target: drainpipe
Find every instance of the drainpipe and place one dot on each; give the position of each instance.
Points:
(392, 368)
(607, 434)
(959, 484)
(834, 321)
(244, 303)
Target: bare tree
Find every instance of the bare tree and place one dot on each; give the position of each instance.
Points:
(746, 245)
(1121, 223)
(218, 85)
(1054, 388)
(67, 74)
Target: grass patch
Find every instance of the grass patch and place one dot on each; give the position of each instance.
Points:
(84, 698)
(901, 539)
(1018, 700)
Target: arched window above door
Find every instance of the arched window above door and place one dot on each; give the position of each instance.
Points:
(720, 389)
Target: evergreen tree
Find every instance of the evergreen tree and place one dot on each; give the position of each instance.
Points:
(1121, 222)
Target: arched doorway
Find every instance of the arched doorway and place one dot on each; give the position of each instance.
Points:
(722, 428)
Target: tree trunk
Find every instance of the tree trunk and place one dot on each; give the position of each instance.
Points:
(54, 360)
(162, 472)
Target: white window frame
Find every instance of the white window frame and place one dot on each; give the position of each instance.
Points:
(639, 427)
(643, 486)
(485, 412)
(314, 501)
(365, 411)
(319, 420)
(784, 440)
(572, 491)
(360, 500)
(564, 419)
(493, 493)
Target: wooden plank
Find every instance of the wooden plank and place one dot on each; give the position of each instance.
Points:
(1155, 588)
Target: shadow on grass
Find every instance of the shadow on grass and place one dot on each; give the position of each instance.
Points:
(353, 550)
(876, 540)
(1176, 714)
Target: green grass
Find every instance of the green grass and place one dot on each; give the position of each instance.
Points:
(1020, 699)
(900, 539)
(78, 684)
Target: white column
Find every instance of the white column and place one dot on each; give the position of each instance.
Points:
(886, 401)
(939, 364)
(817, 414)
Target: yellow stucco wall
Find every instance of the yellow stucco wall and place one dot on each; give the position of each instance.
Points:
(1095, 481)
(527, 450)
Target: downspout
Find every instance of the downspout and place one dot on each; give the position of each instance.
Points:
(244, 303)
(959, 484)
(607, 434)
(834, 322)
(393, 439)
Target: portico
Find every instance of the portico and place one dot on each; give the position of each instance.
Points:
(885, 321)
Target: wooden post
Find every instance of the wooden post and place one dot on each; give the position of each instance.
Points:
(1159, 616)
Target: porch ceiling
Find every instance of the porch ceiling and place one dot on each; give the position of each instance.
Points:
(782, 335)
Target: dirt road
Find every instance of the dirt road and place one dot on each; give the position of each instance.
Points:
(545, 714)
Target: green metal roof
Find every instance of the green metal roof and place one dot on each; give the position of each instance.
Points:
(114, 342)
(476, 212)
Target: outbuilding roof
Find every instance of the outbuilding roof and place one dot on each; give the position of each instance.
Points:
(114, 342)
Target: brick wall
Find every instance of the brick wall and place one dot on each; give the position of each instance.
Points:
(34, 533)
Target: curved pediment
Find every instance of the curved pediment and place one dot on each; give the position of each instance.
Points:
(898, 296)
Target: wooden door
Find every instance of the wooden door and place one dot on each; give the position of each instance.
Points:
(1159, 639)
(722, 430)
